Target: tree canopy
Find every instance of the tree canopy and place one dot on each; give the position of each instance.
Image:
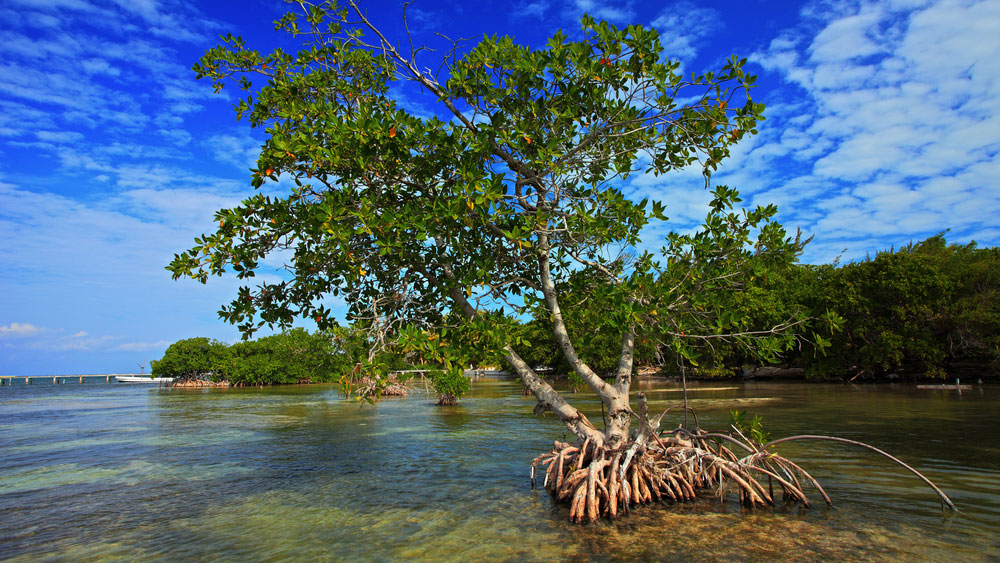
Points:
(189, 358)
(438, 231)
(926, 309)
(294, 356)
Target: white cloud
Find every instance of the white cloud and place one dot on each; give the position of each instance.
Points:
(847, 38)
(100, 66)
(73, 343)
(102, 262)
(238, 149)
(18, 330)
(187, 208)
(59, 136)
(898, 115)
(529, 9)
(81, 5)
(683, 26)
(615, 12)
(143, 346)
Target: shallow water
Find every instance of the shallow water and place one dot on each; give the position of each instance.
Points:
(108, 471)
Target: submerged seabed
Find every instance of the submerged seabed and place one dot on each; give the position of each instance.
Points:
(96, 472)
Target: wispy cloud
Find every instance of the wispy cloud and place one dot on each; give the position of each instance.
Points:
(895, 112)
(889, 133)
(31, 337)
(69, 77)
(615, 12)
(18, 330)
(143, 346)
(683, 26)
(239, 149)
(535, 9)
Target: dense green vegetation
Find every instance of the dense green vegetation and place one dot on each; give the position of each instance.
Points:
(928, 309)
(190, 358)
(294, 356)
(925, 310)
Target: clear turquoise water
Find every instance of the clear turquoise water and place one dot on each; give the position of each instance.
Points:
(96, 472)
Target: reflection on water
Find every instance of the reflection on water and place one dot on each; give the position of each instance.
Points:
(101, 472)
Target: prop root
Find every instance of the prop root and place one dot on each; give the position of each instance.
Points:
(674, 466)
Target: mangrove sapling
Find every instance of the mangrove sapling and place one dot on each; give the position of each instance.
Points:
(439, 231)
(368, 387)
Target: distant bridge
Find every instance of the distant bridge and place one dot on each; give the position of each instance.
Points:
(109, 377)
(56, 379)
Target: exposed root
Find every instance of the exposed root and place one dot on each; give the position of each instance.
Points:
(395, 390)
(590, 477)
(446, 400)
(944, 498)
(674, 466)
(370, 387)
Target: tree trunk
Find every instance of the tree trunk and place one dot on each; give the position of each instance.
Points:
(614, 398)
(619, 419)
(619, 416)
(550, 399)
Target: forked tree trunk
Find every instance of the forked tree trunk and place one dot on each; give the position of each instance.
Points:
(614, 396)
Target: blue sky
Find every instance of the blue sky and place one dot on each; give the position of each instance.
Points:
(883, 126)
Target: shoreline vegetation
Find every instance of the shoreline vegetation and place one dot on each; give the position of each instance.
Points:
(394, 387)
(763, 373)
(926, 312)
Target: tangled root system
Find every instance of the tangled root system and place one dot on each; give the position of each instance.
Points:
(677, 466)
